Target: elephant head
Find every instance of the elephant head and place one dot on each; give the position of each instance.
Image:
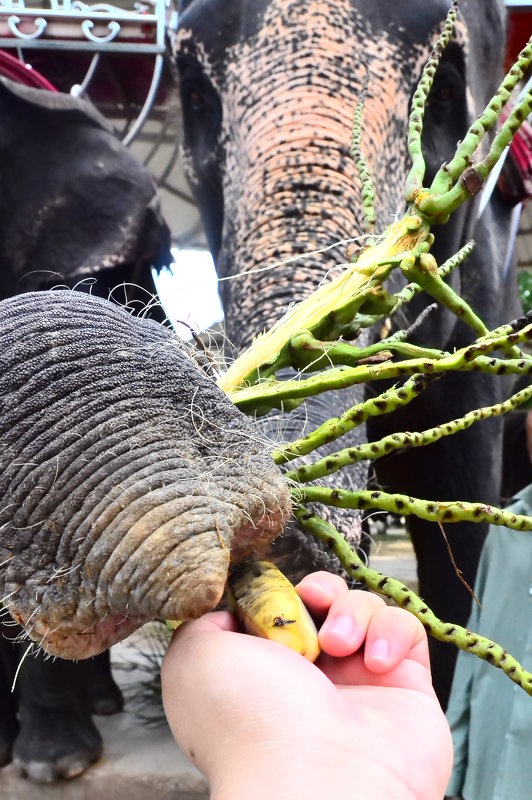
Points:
(268, 93)
(128, 481)
(75, 204)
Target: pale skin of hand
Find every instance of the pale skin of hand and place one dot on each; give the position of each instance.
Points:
(261, 721)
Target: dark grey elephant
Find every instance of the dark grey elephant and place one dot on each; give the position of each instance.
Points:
(268, 92)
(76, 209)
(128, 482)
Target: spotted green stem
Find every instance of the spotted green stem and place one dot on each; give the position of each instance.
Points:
(311, 355)
(430, 510)
(424, 272)
(368, 191)
(412, 289)
(272, 393)
(396, 441)
(414, 181)
(444, 196)
(334, 428)
(406, 598)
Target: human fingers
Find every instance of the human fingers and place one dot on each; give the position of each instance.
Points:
(221, 620)
(318, 591)
(347, 622)
(395, 653)
(393, 635)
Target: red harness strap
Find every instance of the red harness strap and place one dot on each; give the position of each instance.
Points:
(515, 180)
(16, 70)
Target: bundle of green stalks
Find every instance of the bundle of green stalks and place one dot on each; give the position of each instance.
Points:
(317, 338)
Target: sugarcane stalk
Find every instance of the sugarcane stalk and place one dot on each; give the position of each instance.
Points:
(406, 598)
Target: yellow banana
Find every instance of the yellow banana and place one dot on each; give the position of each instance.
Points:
(268, 606)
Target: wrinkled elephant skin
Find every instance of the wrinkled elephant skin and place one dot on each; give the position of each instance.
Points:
(76, 209)
(128, 479)
(268, 93)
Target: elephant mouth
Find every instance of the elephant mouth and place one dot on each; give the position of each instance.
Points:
(91, 641)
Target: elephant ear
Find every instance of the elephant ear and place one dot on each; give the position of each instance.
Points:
(183, 5)
(51, 101)
(74, 201)
(485, 51)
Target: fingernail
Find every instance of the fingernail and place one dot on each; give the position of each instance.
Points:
(343, 627)
(379, 650)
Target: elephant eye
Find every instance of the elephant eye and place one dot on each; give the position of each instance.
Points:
(444, 93)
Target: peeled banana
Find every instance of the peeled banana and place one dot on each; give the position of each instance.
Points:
(267, 605)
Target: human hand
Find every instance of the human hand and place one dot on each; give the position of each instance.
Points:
(261, 721)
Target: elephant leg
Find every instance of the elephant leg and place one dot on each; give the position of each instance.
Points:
(57, 736)
(464, 466)
(8, 718)
(441, 588)
(103, 693)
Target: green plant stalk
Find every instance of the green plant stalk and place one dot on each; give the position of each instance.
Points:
(460, 192)
(412, 289)
(333, 429)
(271, 394)
(396, 441)
(430, 510)
(311, 354)
(330, 308)
(333, 307)
(414, 181)
(384, 403)
(443, 197)
(404, 597)
(424, 272)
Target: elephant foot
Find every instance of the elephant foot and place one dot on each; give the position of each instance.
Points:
(8, 734)
(56, 743)
(8, 715)
(103, 693)
(106, 699)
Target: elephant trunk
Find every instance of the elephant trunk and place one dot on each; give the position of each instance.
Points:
(128, 481)
(287, 198)
(292, 205)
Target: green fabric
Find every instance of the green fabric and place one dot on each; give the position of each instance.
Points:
(491, 717)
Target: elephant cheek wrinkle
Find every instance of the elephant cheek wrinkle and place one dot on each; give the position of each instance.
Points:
(128, 480)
